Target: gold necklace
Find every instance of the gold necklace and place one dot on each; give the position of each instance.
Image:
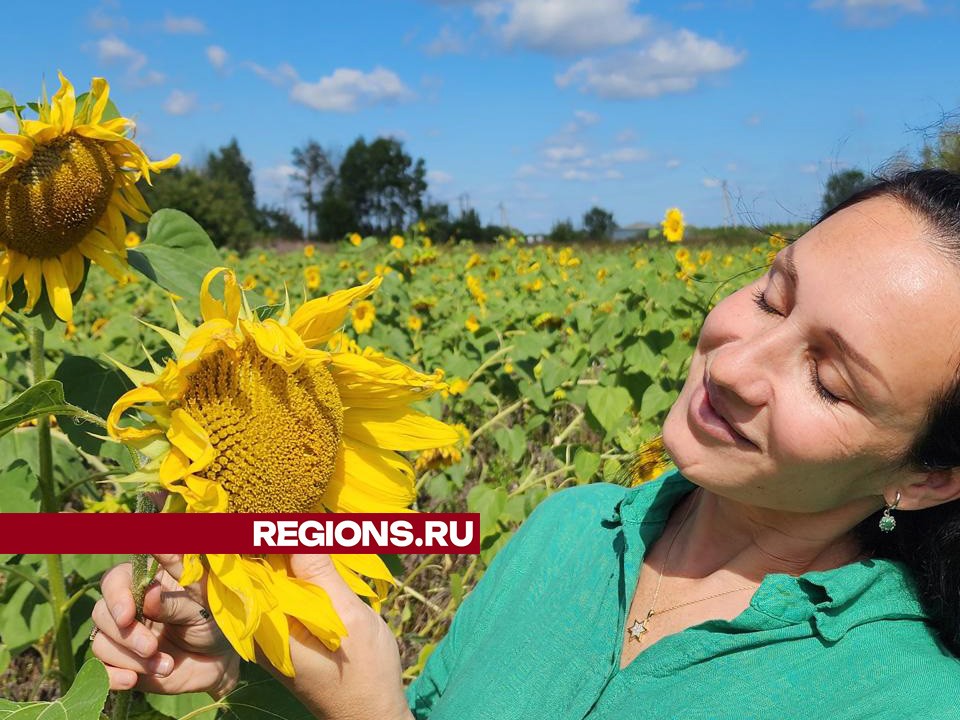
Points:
(639, 627)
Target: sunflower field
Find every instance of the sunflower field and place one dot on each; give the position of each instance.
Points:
(417, 373)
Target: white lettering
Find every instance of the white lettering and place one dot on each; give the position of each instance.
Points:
(263, 532)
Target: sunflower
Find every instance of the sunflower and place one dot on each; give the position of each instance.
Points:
(673, 225)
(66, 181)
(649, 461)
(271, 416)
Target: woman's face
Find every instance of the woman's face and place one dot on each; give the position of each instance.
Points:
(827, 375)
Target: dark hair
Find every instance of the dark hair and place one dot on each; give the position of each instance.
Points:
(927, 541)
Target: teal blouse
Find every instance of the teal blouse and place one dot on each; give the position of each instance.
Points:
(540, 636)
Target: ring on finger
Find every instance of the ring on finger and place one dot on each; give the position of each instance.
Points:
(93, 633)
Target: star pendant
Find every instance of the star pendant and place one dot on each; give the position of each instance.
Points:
(637, 630)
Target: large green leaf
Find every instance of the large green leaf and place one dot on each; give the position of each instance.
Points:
(44, 398)
(22, 444)
(178, 706)
(260, 696)
(608, 406)
(176, 254)
(490, 502)
(6, 101)
(83, 701)
(93, 386)
(19, 489)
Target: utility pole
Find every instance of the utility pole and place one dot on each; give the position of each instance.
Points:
(503, 215)
(728, 218)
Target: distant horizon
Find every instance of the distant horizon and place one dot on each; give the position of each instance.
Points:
(527, 110)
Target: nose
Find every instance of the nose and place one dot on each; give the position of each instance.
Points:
(742, 370)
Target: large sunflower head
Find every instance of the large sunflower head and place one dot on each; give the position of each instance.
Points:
(277, 415)
(66, 181)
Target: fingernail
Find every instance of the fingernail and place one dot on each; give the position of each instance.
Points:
(116, 611)
(140, 645)
(164, 666)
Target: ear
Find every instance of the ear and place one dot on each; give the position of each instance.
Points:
(927, 490)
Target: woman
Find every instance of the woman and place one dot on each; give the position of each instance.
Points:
(802, 561)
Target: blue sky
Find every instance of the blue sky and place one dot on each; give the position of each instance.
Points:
(528, 110)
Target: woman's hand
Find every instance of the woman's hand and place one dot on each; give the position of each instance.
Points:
(177, 649)
(360, 680)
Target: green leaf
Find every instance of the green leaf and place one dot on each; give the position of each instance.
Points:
(609, 406)
(176, 255)
(4, 657)
(176, 706)
(19, 489)
(6, 101)
(489, 502)
(260, 696)
(585, 464)
(656, 400)
(94, 387)
(83, 701)
(612, 470)
(22, 443)
(25, 617)
(512, 441)
(44, 398)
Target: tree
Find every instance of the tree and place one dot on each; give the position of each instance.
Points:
(563, 232)
(598, 223)
(840, 186)
(229, 165)
(382, 185)
(315, 169)
(946, 154)
(276, 222)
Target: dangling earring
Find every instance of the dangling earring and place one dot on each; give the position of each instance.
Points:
(888, 522)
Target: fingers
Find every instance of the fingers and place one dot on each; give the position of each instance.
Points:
(179, 671)
(320, 570)
(115, 587)
(135, 637)
(116, 654)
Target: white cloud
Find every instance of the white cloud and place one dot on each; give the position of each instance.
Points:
(809, 168)
(624, 155)
(527, 171)
(347, 90)
(8, 123)
(731, 167)
(613, 175)
(151, 77)
(99, 20)
(183, 25)
(710, 182)
(284, 74)
(672, 163)
(180, 103)
(586, 118)
(439, 177)
(564, 153)
(668, 65)
(567, 26)
(217, 56)
(112, 49)
(872, 13)
(447, 42)
(576, 175)
(625, 136)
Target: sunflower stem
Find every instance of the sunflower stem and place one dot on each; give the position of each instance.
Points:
(48, 499)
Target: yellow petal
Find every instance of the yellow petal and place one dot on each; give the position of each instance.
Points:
(99, 89)
(368, 479)
(57, 290)
(64, 106)
(175, 466)
(39, 131)
(202, 495)
(208, 338)
(370, 565)
(315, 321)
(31, 280)
(210, 307)
(276, 342)
(72, 262)
(191, 438)
(17, 145)
(137, 396)
(192, 570)
(312, 607)
(93, 247)
(232, 603)
(397, 429)
(379, 381)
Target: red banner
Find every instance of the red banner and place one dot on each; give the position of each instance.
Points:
(236, 533)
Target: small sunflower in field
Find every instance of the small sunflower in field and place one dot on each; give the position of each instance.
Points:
(271, 416)
(67, 179)
(362, 316)
(649, 461)
(673, 225)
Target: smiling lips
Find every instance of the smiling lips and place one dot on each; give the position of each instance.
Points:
(713, 418)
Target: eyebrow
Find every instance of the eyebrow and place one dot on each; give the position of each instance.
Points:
(790, 269)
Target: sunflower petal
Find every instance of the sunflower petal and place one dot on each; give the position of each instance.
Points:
(72, 262)
(316, 320)
(374, 382)
(368, 479)
(99, 89)
(64, 106)
(57, 290)
(397, 429)
(32, 274)
(17, 145)
(192, 570)
(232, 602)
(187, 435)
(213, 309)
(137, 396)
(312, 607)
